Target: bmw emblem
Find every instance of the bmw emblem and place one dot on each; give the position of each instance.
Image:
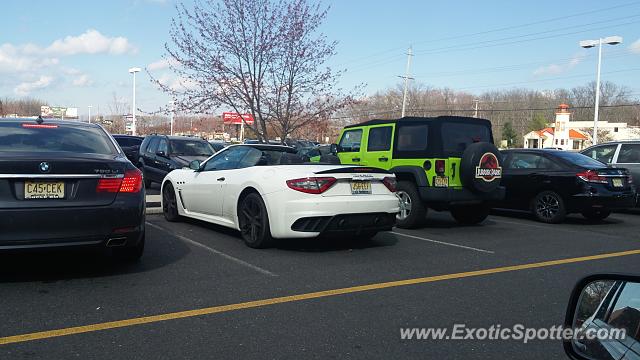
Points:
(44, 167)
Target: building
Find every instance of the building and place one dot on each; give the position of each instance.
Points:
(576, 135)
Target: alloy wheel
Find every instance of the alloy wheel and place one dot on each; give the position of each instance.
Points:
(548, 206)
(405, 205)
(252, 222)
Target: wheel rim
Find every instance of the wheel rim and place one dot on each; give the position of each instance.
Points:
(405, 205)
(169, 205)
(548, 206)
(251, 214)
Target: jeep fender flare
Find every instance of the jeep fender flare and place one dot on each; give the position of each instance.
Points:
(416, 172)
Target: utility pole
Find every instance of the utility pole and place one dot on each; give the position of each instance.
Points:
(89, 113)
(406, 78)
(475, 101)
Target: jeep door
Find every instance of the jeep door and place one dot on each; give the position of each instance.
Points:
(378, 146)
(349, 147)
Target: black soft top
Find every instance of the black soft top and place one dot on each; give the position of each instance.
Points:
(408, 119)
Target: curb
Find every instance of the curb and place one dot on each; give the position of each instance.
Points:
(154, 210)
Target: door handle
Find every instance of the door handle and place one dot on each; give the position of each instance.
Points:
(383, 159)
(221, 179)
(355, 159)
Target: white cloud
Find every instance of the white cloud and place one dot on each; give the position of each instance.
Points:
(13, 59)
(161, 64)
(555, 69)
(26, 88)
(635, 47)
(82, 80)
(90, 42)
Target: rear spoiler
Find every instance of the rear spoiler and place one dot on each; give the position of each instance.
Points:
(355, 169)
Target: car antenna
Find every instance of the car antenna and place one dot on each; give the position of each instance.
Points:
(39, 120)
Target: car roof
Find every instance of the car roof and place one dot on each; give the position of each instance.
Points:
(539, 151)
(408, 119)
(175, 137)
(50, 121)
(266, 147)
(127, 136)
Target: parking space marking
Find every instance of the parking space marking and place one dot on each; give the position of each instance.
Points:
(300, 297)
(555, 227)
(214, 251)
(443, 243)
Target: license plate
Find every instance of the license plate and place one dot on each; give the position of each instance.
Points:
(44, 190)
(441, 181)
(360, 187)
(617, 182)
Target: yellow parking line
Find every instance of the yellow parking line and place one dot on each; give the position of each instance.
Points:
(293, 298)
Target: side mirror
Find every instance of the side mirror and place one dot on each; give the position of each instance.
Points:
(194, 165)
(603, 318)
(161, 153)
(333, 149)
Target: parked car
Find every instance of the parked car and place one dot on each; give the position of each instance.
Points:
(130, 145)
(316, 153)
(266, 192)
(161, 154)
(68, 184)
(554, 183)
(442, 163)
(622, 153)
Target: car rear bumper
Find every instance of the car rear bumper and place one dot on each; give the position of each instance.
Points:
(74, 226)
(449, 195)
(333, 214)
(580, 202)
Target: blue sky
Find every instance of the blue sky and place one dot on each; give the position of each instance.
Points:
(77, 53)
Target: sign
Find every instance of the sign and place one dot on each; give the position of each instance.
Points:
(58, 112)
(231, 118)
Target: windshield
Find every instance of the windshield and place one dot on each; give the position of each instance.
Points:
(579, 159)
(28, 136)
(457, 136)
(191, 148)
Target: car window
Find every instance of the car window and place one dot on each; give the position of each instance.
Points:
(457, 136)
(15, 136)
(629, 154)
(529, 161)
(379, 138)
(579, 159)
(123, 141)
(162, 146)
(251, 158)
(351, 140)
(191, 148)
(602, 153)
(413, 137)
(153, 145)
(226, 160)
(625, 313)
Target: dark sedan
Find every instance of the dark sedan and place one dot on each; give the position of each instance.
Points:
(68, 184)
(130, 145)
(553, 183)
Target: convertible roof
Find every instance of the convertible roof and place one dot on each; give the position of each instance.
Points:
(408, 119)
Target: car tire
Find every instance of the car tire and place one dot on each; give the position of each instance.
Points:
(412, 211)
(475, 156)
(596, 214)
(132, 253)
(170, 203)
(253, 221)
(548, 207)
(470, 214)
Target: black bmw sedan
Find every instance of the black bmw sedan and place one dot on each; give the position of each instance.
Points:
(554, 183)
(68, 184)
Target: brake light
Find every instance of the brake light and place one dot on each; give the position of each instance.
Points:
(311, 185)
(390, 183)
(39, 126)
(592, 177)
(440, 167)
(131, 183)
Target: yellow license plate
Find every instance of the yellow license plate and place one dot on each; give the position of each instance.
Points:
(617, 182)
(43, 190)
(360, 187)
(441, 181)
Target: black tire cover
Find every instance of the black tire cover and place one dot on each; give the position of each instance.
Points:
(481, 167)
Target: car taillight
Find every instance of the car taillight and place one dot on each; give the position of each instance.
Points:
(130, 183)
(440, 167)
(39, 126)
(311, 185)
(592, 177)
(390, 183)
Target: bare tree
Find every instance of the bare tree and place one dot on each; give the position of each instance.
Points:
(263, 57)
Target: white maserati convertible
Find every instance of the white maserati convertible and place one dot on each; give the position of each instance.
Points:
(267, 192)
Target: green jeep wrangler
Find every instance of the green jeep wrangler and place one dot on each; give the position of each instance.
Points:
(442, 163)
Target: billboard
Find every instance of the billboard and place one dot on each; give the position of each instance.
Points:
(231, 118)
(58, 112)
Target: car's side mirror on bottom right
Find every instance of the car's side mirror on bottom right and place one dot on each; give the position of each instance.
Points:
(194, 165)
(604, 318)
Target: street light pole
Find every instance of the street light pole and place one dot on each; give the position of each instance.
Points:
(133, 71)
(611, 40)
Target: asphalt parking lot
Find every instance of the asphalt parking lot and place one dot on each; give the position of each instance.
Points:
(199, 292)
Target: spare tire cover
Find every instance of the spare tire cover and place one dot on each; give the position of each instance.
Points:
(481, 167)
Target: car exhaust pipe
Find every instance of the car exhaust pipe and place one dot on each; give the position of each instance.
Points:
(115, 242)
